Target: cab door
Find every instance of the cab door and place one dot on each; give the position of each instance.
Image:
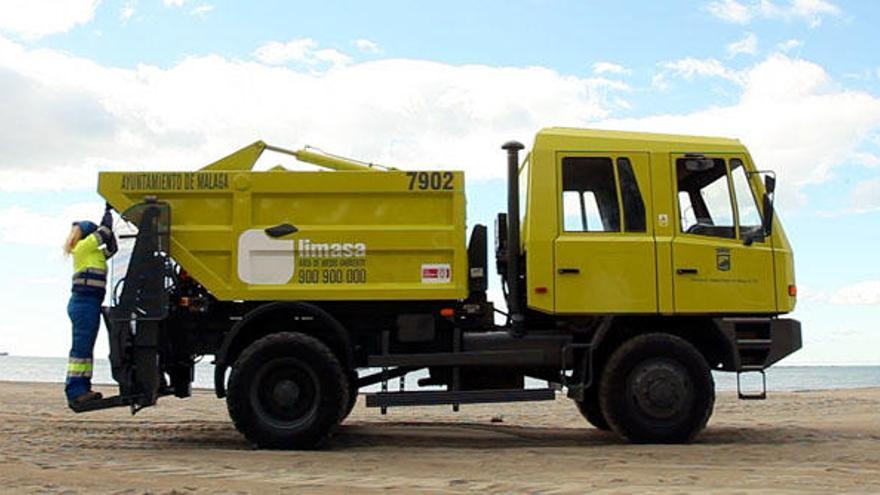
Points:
(604, 253)
(721, 262)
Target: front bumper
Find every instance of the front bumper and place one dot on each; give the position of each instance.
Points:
(785, 335)
(758, 343)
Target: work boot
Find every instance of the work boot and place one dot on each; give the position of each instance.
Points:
(86, 397)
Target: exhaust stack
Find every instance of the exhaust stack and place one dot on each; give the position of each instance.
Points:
(514, 306)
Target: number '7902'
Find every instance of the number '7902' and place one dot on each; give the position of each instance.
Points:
(430, 181)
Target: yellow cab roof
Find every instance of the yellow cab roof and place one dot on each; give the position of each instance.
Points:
(565, 138)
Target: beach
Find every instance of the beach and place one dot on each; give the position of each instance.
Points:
(814, 441)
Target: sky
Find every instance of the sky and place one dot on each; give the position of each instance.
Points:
(90, 85)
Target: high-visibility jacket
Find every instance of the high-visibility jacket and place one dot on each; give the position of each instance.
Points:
(90, 262)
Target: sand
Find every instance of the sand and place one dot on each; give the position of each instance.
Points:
(825, 441)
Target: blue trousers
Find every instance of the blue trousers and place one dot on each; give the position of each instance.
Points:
(84, 311)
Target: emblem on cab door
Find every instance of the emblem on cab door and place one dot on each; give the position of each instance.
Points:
(722, 259)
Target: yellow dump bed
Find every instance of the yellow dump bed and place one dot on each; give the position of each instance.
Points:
(360, 235)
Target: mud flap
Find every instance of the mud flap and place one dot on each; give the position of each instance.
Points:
(134, 357)
(134, 362)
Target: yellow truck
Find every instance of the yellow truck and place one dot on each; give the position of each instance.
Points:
(632, 265)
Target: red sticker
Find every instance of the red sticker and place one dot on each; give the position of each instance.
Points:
(438, 273)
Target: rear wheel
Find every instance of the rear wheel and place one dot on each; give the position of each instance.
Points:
(590, 409)
(657, 388)
(287, 391)
(352, 395)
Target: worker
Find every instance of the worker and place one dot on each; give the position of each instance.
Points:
(91, 246)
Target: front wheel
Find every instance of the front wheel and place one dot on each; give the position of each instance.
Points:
(657, 388)
(287, 391)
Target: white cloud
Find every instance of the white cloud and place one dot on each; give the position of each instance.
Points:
(127, 11)
(33, 19)
(604, 84)
(807, 294)
(862, 293)
(332, 56)
(300, 51)
(276, 52)
(67, 117)
(747, 45)
(731, 11)
(810, 10)
(865, 159)
(202, 9)
(621, 103)
(199, 10)
(865, 196)
(22, 226)
(791, 115)
(789, 45)
(659, 82)
(690, 67)
(366, 46)
(743, 12)
(609, 68)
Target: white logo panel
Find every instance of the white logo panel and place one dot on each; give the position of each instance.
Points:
(263, 260)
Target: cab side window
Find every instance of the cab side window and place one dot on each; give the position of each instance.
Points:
(687, 210)
(709, 209)
(633, 204)
(589, 195)
(746, 203)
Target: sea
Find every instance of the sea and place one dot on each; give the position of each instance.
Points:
(778, 378)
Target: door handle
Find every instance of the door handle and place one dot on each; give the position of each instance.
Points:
(686, 271)
(569, 271)
(281, 230)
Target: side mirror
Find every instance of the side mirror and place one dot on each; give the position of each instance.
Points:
(767, 206)
(770, 184)
(768, 211)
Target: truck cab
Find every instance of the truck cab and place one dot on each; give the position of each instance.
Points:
(650, 224)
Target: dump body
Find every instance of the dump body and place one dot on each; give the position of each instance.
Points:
(342, 235)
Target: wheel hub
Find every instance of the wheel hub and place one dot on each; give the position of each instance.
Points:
(661, 389)
(286, 393)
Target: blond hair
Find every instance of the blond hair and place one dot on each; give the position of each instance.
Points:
(72, 238)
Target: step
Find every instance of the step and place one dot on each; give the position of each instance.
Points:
(106, 403)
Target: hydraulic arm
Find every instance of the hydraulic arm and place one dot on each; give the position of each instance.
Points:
(245, 158)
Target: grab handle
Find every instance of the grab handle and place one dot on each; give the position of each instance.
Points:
(281, 230)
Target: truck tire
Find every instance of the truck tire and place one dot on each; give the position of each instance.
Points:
(657, 388)
(352, 395)
(287, 391)
(590, 409)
